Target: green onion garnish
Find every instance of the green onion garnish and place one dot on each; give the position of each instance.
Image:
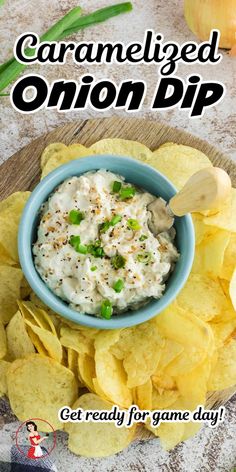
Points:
(104, 226)
(116, 186)
(145, 257)
(82, 249)
(93, 268)
(75, 241)
(75, 217)
(143, 237)
(116, 219)
(133, 224)
(95, 249)
(118, 285)
(107, 224)
(118, 261)
(106, 309)
(127, 192)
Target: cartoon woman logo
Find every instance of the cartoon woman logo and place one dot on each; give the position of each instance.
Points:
(35, 451)
(34, 444)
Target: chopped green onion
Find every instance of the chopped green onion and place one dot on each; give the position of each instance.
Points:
(118, 285)
(106, 309)
(127, 192)
(75, 241)
(75, 217)
(143, 237)
(118, 261)
(104, 226)
(82, 249)
(95, 249)
(133, 224)
(116, 186)
(116, 219)
(93, 268)
(145, 257)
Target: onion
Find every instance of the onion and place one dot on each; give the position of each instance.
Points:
(204, 15)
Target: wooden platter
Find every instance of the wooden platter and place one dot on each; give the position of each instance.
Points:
(22, 170)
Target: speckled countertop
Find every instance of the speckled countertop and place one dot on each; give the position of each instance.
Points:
(210, 450)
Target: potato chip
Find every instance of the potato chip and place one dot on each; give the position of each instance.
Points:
(37, 343)
(170, 434)
(111, 378)
(53, 317)
(170, 351)
(63, 157)
(225, 218)
(38, 387)
(51, 150)
(202, 231)
(96, 439)
(3, 341)
(86, 370)
(223, 374)
(232, 288)
(222, 331)
(5, 259)
(163, 382)
(76, 340)
(18, 340)
(164, 399)
(178, 162)
(4, 366)
(193, 386)
(210, 254)
(203, 297)
(40, 316)
(10, 214)
(77, 150)
(25, 289)
(11, 279)
(190, 429)
(122, 147)
(188, 330)
(140, 348)
(72, 361)
(49, 341)
(97, 389)
(229, 258)
(143, 396)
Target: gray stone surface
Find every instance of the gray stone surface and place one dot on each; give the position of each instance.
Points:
(211, 450)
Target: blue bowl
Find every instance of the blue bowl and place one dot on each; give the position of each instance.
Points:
(134, 172)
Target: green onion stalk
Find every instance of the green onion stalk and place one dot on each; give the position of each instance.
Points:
(70, 24)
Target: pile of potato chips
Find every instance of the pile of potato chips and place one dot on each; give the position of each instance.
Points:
(169, 362)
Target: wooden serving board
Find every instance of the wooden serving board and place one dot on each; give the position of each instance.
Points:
(22, 170)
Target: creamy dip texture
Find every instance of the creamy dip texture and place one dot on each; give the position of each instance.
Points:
(94, 247)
